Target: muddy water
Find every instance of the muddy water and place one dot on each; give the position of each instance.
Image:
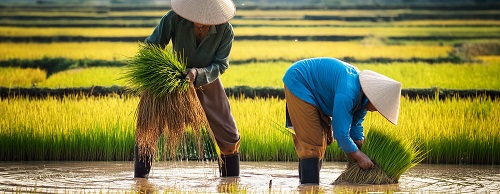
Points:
(256, 177)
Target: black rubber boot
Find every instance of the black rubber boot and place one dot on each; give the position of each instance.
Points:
(300, 174)
(230, 165)
(309, 170)
(142, 166)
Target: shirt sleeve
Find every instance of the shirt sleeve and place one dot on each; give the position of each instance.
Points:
(356, 132)
(164, 30)
(220, 61)
(341, 122)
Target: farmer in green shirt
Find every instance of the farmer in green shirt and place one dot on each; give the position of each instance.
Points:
(199, 29)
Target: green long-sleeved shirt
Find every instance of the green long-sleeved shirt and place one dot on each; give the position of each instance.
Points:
(210, 57)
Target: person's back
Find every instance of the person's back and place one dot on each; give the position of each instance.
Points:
(318, 80)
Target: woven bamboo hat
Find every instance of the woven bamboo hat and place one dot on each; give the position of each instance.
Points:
(383, 92)
(208, 12)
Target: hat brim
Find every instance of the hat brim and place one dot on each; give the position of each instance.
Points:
(383, 92)
(207, 12)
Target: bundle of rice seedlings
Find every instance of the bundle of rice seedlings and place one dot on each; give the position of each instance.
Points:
(168, 102)
(391, 156)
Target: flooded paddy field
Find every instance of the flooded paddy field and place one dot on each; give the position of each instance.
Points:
(256, 177)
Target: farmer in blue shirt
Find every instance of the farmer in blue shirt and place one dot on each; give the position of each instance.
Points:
(328, 99)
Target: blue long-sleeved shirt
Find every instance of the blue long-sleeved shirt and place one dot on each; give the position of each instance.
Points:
(333, 87)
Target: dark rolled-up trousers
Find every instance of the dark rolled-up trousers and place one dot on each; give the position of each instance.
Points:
(214, 101)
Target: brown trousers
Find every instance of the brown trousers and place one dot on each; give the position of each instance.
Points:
(216, 105)
(313, 131)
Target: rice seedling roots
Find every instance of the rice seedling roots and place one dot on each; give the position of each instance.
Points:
(355, 174)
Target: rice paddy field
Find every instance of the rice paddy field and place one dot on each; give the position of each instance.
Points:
(86, 46)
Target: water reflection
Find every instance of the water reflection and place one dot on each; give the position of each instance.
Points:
(256, 177)
(142, 185)
(229, 185)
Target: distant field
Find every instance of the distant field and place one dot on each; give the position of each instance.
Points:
(242, 50)
(412, 75)
(476, 32)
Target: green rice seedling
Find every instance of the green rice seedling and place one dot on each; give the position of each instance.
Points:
(392, 157)
(168, 102)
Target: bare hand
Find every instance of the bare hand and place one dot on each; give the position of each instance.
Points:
(191, 74)
(359, 143)
(363, 161)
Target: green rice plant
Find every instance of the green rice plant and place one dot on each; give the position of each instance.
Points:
(451, 131)
(75, 128)
(392, 157)
(157, 70)
(168, 101)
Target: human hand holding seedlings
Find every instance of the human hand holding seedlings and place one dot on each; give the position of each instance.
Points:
(359, 143)
(191, 74)
(363, 160)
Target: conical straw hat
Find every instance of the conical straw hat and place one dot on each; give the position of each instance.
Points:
(208, 12)
(383, 92)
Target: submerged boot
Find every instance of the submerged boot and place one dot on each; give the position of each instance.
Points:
(142, 166)
(230, 165)
(309, 170)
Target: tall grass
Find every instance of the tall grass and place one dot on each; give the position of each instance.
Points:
(453, 131)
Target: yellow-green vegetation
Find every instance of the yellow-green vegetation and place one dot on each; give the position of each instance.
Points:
(296, 50)
(67, 129)
(412, 75)
(21, 77)
(84, 77)
(453, 131)
(339, 24)
(391, 155)
(71, 50)
(242, 50)
(346, 12)
(386, 31)
(369, 31)
(73, 31)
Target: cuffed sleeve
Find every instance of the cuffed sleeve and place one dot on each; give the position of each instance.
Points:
(341, 122)
(356, 131)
